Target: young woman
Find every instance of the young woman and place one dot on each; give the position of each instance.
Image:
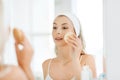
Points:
(13, 72)
(70, 53)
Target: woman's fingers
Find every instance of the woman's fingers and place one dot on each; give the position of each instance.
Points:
(72, 38)
(72, 42)
(75, 43)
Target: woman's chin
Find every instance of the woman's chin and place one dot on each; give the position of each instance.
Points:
(60, 44)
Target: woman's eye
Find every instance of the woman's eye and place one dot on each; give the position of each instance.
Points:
(54, 27)
(65, 27)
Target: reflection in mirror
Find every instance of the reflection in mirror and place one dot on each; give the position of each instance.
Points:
(35, 18)
(90, 14)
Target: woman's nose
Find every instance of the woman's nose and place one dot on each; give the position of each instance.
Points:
(59, 31)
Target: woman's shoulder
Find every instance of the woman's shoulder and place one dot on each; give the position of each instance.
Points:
(14, 73)
(88, 57)
(45, 66)
(18, 72)
(46, 62)
(90, 61)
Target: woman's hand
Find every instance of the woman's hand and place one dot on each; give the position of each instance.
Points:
(75, 42)
(24, 56)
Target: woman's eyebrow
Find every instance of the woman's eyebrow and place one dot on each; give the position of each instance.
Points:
(64, 23)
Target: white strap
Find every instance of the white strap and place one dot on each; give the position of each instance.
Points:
(49, 66)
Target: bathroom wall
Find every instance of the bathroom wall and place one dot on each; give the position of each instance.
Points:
(112, 38)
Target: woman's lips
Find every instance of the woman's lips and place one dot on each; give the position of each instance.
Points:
(58, 38)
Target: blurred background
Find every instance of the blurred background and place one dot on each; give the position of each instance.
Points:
(35, 18)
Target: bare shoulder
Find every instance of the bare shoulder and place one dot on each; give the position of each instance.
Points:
(17, 73)
(90, 60)
(45, 63)
(13, 73)
(89, 57)
(45, 67)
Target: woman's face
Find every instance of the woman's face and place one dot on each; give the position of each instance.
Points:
(61, 26)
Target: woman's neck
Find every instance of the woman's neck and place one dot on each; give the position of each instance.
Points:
(64, 53)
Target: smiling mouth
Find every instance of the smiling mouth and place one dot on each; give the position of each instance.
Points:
(58, 39)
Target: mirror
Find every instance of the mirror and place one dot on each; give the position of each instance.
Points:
(35, 18)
